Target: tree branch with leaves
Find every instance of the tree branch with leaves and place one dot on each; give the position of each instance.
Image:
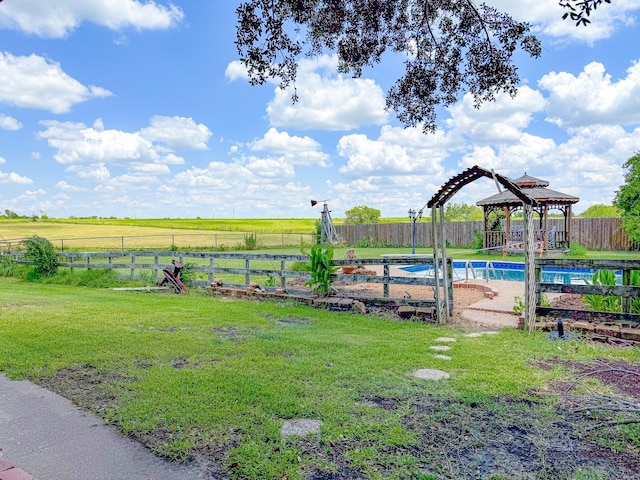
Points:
(449, 47)
(579, 10)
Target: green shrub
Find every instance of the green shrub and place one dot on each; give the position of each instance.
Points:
(301, 267)
(99, 278)
(518, 307)
(250, 241)
(321, 270)
(478, 239)
(366, 242)
(188, 274)
(576, 250)
(610, 303)
(41, 253)
(7, 265)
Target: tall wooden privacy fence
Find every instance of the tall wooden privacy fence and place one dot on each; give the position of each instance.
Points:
(591, 233)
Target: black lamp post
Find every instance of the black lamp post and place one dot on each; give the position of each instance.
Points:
(414, 217)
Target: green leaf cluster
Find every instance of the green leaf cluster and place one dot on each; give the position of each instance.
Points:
(610, 303)
(41, 253)
(600, 210)
(321, 270)
(362, 215)
(462, 212)
(628, 198)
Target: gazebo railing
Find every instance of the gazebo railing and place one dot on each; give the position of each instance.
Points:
(497, 239)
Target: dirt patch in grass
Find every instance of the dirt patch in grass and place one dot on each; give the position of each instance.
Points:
(622, 377)
(501, 438)
(87, 386)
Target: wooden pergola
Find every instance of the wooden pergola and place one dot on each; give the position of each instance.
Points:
(437, 203)
(509, 236)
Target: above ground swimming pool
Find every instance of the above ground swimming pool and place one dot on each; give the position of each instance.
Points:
(510, 271)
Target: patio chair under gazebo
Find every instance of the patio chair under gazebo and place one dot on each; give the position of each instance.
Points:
(501, 231)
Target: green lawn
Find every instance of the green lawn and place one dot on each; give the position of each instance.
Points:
(196, 376)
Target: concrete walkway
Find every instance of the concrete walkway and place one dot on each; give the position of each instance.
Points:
(43, 436)
(498, 311)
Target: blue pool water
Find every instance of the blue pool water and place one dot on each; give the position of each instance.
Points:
(511, 271)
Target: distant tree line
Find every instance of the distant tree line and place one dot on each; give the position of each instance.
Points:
(13, 215)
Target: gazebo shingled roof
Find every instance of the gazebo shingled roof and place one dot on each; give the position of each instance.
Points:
(541, 194)
(545, 198)
(535, 188)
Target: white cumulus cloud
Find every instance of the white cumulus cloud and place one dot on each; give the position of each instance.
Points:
(33, 82)
(178, 133)
(77, 143)
(9, 123)
(546, 18)
(14, 178)
(593, 97)
(236, 70)
(297, 150)
(55, 20)
(328, 101)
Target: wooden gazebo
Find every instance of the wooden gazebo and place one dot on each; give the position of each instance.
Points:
(502, 231)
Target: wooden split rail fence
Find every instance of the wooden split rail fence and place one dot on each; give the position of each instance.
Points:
(258, 267)
(609, 324)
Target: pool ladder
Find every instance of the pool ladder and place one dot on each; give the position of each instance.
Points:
(488, 266)
(468, 266)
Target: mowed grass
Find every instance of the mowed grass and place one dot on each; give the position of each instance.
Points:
(196, 376)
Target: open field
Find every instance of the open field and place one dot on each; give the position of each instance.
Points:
(130, 234)
(212, 381)
(157, 234)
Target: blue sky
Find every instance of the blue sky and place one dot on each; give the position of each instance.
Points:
(141, 109)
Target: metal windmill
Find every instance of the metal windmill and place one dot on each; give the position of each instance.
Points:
(328, 232)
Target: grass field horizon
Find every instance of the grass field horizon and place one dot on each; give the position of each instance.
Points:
(285, 236)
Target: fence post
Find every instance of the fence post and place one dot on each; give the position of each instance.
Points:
(212, 266)
(133, 261)
(385, 287)
(247, 276)
(283, 279)
(626, 301)
(156, 260)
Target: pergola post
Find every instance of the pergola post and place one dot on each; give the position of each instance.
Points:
(436, 252)
(529, 270)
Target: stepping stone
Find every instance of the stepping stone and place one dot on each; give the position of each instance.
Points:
(445, 339)
(479, 334)
(442, 357)
(300, 427)
(440, 347)
(431, 374)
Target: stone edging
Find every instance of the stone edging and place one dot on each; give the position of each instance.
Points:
(486, 289)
